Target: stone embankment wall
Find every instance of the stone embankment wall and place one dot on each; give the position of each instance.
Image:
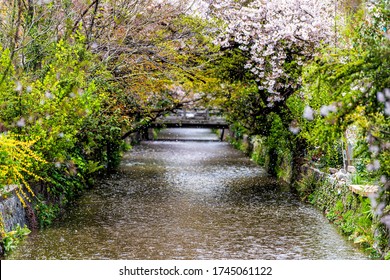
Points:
(13, 213)
(11, 209)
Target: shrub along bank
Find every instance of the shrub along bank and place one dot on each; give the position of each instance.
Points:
(350, 212)
(58, 129)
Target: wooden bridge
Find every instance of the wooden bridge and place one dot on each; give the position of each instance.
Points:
(192, 119)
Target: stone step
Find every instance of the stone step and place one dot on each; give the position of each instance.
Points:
(364, 190)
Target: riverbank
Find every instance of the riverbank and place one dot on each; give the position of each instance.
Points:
(351, 212)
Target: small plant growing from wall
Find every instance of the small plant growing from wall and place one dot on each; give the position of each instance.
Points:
(11, 239)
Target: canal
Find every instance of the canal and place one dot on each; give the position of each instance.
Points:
(188, 200)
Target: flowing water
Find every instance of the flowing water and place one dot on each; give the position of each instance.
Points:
(188, 200)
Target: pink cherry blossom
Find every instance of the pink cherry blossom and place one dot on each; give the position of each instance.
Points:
(275, 33)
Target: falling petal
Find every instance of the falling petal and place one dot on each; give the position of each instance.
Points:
(381, 97)
(376, 164)
(386, 220)
(308, 113)
(324, 111)
(294, 129)
(370, 167)
(49, 95)
(19, 86)
(387, 93)
(21, 122)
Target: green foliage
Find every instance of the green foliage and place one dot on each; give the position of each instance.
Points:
(351, 213)
(346, 88)
(46, 213)
(59, 123)
(306, 186)
(92, 167)
(259, 153)
(11, 239)
(279, 147)
(347, 81)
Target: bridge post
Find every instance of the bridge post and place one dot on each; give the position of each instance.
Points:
(150, 134)
(184, 113)
(222, 134)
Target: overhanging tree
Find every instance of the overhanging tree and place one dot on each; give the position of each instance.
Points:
(277, 38)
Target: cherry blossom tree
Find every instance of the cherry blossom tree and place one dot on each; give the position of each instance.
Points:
(278, 38)
(267, 44)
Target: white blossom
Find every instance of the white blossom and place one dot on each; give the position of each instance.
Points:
(379, 208)
(381, 97)
(43, 2)
(94, 46)
(308, 113)
(376, 165)
(387, 93)
(268, 32)
(49, 95)
(386, 221)
(19, 86)
(374, 149)
(387, 108)
(21, 122)
(294, 129)
(324, 111)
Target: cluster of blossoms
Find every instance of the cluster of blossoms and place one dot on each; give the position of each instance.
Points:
(275, 33)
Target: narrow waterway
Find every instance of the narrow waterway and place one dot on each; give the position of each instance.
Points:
(188, 200)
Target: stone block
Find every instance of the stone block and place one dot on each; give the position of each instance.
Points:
(333, 170)
(341, 175)
(351, 169)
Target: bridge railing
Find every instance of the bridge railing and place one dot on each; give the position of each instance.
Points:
(197, 113)
(192, 118)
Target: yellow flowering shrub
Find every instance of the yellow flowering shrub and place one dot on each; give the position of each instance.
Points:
(17, 160)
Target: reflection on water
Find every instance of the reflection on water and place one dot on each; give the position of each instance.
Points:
(188, 200)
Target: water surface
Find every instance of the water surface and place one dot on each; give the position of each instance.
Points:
(188, 200)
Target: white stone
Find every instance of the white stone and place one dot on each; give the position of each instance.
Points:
(341, 175)
(351, 169)
(332, 170)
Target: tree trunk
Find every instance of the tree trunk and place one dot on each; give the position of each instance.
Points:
(273, 159)
(298, 158)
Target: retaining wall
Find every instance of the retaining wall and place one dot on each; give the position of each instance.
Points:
(12, 210)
